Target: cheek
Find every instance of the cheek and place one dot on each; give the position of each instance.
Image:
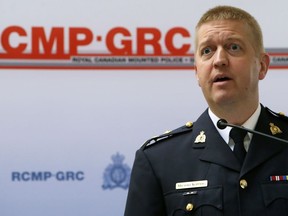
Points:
(198, 77)
(252, 79)
(203, 71)
(259, 70)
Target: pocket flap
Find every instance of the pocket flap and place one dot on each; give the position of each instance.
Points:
(273, 191)
(179, 200)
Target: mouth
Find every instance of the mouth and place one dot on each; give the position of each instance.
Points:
(221, 79)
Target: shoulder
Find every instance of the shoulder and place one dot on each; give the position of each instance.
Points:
(188, 127)
(278, 122)
(279, 115)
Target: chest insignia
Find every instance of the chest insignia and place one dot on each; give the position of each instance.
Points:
(201, 138)
(274, 129)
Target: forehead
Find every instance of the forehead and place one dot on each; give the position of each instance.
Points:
(223, 30)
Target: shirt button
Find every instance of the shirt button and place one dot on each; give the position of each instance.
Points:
(243, 183)
(189, 207)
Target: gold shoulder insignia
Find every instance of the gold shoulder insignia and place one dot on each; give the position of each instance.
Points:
(184, 129)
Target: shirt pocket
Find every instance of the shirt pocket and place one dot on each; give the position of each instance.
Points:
(275, 195)
(195, 202)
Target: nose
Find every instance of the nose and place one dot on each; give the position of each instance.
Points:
(220, 58)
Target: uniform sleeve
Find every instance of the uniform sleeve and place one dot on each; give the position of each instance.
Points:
(145, 197)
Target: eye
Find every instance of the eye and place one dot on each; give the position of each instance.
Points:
(206, 51)
(234, 47)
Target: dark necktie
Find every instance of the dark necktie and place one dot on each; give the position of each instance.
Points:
(238, 137)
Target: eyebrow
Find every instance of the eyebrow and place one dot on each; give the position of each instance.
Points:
(211, 38)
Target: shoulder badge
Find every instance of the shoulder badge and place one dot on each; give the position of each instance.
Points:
(186, 128)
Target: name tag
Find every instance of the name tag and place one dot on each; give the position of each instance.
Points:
(191, 184)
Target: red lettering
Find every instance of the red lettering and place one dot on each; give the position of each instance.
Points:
(5, 40)
(39, 37)
(119, 41)
(170, 43)
(75, 41)
(143, 41)
(126, 45)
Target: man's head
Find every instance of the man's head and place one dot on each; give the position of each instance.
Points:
(230, 59)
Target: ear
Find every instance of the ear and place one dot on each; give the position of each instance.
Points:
(264, 65)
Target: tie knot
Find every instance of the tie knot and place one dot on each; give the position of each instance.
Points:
(237, 135)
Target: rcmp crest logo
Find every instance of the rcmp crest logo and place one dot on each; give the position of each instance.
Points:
(116, 174)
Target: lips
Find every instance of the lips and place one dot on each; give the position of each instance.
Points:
(221, 78)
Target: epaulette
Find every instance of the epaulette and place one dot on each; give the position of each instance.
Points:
(279, 114)
(186, 128)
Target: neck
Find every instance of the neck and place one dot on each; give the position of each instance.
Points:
(235, 114)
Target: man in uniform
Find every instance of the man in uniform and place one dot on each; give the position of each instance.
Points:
(200, 169)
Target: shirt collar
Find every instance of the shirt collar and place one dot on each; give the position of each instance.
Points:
(250, 123)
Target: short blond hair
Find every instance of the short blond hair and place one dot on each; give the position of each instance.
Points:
(237, 14)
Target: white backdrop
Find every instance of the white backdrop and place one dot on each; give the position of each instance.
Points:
(59, 128)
